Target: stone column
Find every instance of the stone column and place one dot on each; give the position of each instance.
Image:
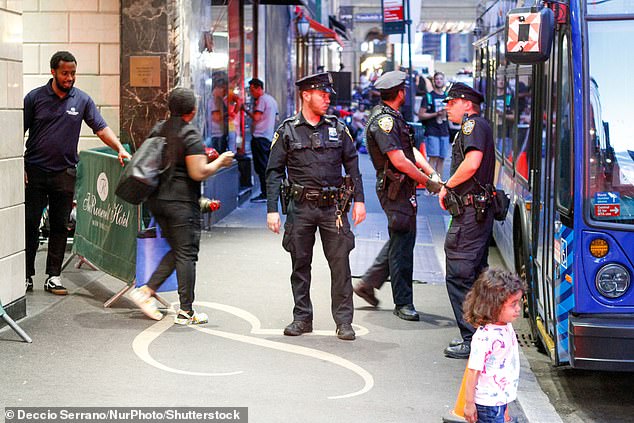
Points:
(145, 33)
(12, 260)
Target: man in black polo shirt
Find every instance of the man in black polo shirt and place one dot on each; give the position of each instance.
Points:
(53, 115)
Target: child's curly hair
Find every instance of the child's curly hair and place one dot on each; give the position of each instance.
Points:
(484, 302)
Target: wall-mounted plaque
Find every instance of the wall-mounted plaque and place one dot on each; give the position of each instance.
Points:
(145, 71)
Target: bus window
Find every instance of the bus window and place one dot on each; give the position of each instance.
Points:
(490, 83)
(503, 114)
(612, 7)
(564, 176)
(509, 118)
(478, 62)
(524, 107)
(609, 150)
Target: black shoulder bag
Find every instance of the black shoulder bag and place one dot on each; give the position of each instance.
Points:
(141, 175)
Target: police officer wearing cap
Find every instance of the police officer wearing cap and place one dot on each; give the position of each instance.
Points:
(464, 195)
(399, 168)
(311, 147)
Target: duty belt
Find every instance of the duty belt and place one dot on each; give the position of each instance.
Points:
(324, 197)
(467, 199)
(471, 199)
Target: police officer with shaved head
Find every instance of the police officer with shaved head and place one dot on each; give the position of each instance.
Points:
(465, 196)
(311, 148)
(399, 168)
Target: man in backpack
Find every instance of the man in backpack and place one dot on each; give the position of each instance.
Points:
(53, 115)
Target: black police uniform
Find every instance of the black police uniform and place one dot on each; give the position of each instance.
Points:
(313, 157)
(467, 240)
(387, 131)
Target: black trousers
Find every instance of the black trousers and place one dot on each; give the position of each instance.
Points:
(180, 225)
(261, 148)
(396, 260)
(467, 254)
(299, 239)
(55, 189)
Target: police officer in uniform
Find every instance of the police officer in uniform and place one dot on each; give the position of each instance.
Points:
(464, 195)
(399, 168)
(312, 147)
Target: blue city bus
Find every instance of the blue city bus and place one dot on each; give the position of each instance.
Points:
(565, 155)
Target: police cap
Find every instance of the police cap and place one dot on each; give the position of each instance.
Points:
(461, 90)
(319, 81)
(390, 80)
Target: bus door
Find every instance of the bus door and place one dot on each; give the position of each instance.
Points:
(552, 239)
(564, 242)
(543, 201)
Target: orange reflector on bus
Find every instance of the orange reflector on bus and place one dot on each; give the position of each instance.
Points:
(599, 247)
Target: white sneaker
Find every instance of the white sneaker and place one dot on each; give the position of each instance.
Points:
(53, 285)
(142, 298)
(191, 318)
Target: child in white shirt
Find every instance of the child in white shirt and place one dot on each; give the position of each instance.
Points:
(493, 369)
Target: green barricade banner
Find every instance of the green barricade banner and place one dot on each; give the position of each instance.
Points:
(106, 229)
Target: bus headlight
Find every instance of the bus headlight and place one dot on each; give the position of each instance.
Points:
(612, 280)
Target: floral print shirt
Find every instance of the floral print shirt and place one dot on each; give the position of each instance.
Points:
(495, 353)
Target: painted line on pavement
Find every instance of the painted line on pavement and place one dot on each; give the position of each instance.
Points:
(256, 326)
(141, 347)
(142, 342)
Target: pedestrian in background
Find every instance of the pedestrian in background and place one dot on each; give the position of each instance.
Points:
(433, 115)
(359, 120)
(399, 168)
(493, 370)
(464, 195)
(234, 104)
(175, 207)
(312, 147)
(263, 115)
(219, 114)
(53, 115)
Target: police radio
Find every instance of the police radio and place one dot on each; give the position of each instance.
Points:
(480, 203)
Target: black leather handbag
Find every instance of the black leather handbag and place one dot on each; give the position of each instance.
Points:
(141, 175)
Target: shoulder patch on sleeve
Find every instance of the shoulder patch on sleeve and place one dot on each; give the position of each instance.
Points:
(386, 123)
(275, 137)
(345, 128)
(467, 127)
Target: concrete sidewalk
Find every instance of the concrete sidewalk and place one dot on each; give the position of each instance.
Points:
(85, 355)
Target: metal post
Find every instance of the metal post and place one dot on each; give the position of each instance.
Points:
(118, 295)
(412, 90)
(256, 39)
(14, 325)
(127, 288)
(297, 64)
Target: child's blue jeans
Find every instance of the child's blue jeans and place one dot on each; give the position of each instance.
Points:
(491, 414)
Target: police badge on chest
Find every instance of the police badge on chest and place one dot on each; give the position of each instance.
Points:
(332, 135)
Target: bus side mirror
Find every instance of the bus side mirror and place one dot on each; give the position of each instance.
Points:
(529, 35)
